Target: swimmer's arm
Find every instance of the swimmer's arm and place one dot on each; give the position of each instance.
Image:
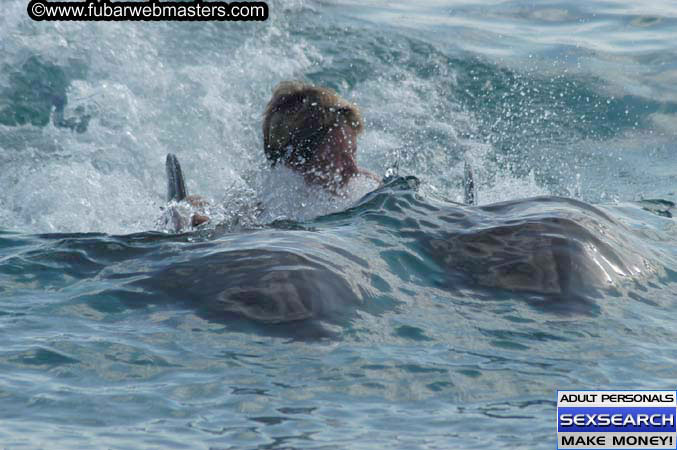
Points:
(370, 175)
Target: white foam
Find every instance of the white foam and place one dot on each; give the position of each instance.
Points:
(508, 187)
(286, 196)
(281, 194)
(149, 92)
(198, 90)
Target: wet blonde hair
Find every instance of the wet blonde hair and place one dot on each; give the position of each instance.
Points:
(299, 115)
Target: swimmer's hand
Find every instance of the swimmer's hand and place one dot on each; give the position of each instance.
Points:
(198, 219)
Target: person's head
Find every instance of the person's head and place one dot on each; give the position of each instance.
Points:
(313, 131)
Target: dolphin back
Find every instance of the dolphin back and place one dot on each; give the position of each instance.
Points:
(176, 186)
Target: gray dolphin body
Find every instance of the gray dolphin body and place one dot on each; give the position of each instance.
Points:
(561, 253)
(552, 246)
(264, 285)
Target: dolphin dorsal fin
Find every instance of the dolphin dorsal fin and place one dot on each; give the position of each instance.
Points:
(176, 186)
(469, 190)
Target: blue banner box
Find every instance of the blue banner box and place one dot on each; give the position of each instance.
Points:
(616, 419)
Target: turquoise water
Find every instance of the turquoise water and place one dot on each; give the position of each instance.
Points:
(419, 322)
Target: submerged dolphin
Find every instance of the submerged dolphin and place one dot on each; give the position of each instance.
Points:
(564, 251)
(560, 252)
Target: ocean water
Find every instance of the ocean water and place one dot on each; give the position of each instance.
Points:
(396, 319)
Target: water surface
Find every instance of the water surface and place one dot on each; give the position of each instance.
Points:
(419, 322)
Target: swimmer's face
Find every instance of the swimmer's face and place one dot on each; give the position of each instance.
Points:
(334, 162)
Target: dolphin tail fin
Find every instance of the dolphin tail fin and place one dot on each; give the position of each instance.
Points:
(469, 190)
(176, 185)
